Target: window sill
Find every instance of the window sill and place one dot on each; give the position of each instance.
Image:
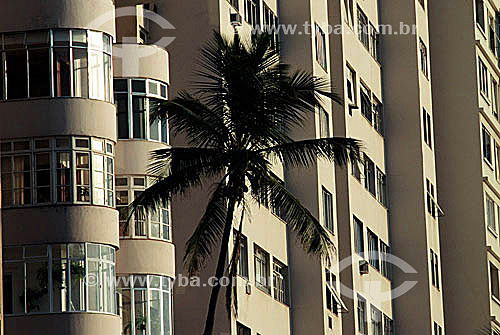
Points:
(492, 231)
(495, 299)
(265, 290)
(489, 164)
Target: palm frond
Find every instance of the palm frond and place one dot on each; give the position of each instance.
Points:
(205, 161)
(306, 152)
(188, 114)
(310, 233)
(208, 233)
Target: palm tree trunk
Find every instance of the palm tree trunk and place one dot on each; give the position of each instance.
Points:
(219, 272)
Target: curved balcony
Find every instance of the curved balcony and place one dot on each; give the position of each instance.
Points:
(141, 61)
(69, 323)
(140, 151)
(146, 256)
(23, 15)
(61, 224)
(55, 117)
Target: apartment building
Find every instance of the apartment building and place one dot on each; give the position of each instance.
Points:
(411, 160)
(61, 149)
(364, 236)
(464, 50)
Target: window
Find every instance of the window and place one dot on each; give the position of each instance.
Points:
(242, 330)
(376, 318)
(497, 160)
(333, 301)
(494, 97)
(351, 84)
(55, 159)
(362, 317)
(437, 329)
(483, 78)
(495, 291)
(434, 269)
(491, 33)
(373, 256)
(486, 145)
(261, 269)
(356, 171)
(480, 13)
(235, 4)
(324, 123)
(243, 260)
(363, 29)
(431, 202)
(378, 116)
(52, 278)
(321, 47)
(388, 326)
(381, 187)
(359, 242)
(490, 213)
(369, 175)
(374, 43)
(154, 225)
(424, 61)
(385, 263)
(82, 61)
(280, 281)
(146, 304)
(349, 15)
(252, 13)
(427, 125)
(422, 3)
(135, 118)
(328, 210)
(271, 25)
(366, 104)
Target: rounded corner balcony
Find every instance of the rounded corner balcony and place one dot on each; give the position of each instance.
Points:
(23, 15)
(60, 77)
(138, 135)
(132, 60)
(64, 183)
(67, 288)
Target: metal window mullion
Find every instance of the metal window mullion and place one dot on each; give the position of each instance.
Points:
(130, 109)
(25, 285)
(27, 71)
(146, 112)
(148, 305)
(3, 69)
(51, 285)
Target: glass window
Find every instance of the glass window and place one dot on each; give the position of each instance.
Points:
(83, 177)
(242, 330)
(480, 14)
(362, 317)
(80, 73)
(324, 123)
(328, 210)
(146, 306)
(376, 318)
(490, 213)
(243, 260)
(139, 117)
(39, 72)
(17, 74)
(381, 187)
(487, 145)
(280, 281)
(359, 245)
(96, 74)
(321, 47)
(388, 326)
(61, 72)
(65, 289)
(154, 130)
(138, 86)
(369, 175)
(43, 163)
(494, 281)
(385, 263)
(261, 269)
(373, 249)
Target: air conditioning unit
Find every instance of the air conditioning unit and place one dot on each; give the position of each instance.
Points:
(363, 267)
(235, 19)
(248, 288)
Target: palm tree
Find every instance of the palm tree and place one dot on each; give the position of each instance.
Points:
(237, 124)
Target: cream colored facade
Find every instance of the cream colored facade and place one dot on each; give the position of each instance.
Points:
(465, 97)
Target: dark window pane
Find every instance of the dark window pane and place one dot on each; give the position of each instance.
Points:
(61, 71)
(17, 75)
(139, 86)
(139, 112)
(122, 115)
(80, 73)
(79, 38)
(39, 63)
(61, 37)
(37, 39)
(154, 124)
(120, 85)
